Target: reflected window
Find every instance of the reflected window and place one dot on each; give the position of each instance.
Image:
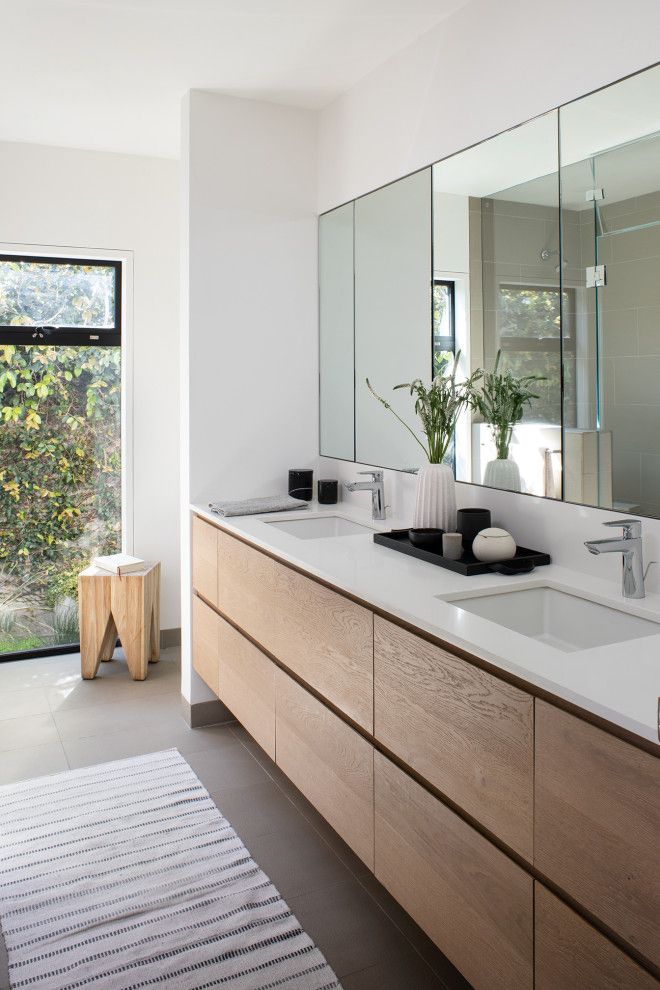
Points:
(444, 323)
(530, 336)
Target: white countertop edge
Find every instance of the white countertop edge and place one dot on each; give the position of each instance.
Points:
(631, 705)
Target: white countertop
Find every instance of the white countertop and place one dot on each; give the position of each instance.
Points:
(619, 682)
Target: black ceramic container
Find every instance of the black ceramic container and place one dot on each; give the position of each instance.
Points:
(426, 539)
(300, 483)
(469, 522)
(327, 489)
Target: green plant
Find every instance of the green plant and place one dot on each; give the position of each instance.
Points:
(65, 622)
(438, 406)
(60, 464)
(502, 400)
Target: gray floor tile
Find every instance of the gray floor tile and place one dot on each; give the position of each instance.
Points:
(259, 809)
(30, 730)
(224, 763)
(110, 692)
(405, 971)
(134, 713)
(25, 701)
(297, 862)
(32, 761)
(349, 927)
(147, 739)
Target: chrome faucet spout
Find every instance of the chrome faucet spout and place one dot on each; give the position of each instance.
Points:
(377, 488)
(630, 548)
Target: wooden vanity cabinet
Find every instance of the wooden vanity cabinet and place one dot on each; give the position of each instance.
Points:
(205, 642)
(331, 763)
(323, 637)
(570, 954)
(597, 827)
(466, 732)
(205, 560)
(472, 900)
(246, 685)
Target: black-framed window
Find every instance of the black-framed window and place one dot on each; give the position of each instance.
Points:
(444, 322)
(537, 336)
(59, 300)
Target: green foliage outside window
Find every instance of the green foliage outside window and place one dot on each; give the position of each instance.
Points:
(60, 475)
(56, 294)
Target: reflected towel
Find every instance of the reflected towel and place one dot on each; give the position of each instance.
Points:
(250, 506)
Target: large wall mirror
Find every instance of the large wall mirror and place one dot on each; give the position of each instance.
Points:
(536, 253)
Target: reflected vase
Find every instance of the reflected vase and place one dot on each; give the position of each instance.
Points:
(503, 473)
(435, 505)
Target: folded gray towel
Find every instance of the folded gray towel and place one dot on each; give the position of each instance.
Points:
(249, 506)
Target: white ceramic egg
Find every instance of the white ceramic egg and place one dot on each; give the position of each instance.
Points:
(493, 544)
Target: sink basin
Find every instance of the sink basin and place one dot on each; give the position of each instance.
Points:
(565, 621)
(320, 527)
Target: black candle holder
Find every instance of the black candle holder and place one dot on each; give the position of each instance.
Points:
(301, 483)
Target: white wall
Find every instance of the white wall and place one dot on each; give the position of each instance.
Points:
(488, 67)
(250, 339)
(126, 203)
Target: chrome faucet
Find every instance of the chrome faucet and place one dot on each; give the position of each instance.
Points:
(377, 488)
(630, 545)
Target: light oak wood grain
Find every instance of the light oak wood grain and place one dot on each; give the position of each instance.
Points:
(127, 606)
(205, 559)
(321, 636)
(571, 955)
(597, 824)
(205, 642)
(472, 900)
(246, 685)
(329, 762)
(466, 732)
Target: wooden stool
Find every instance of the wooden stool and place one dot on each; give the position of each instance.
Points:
(128, 606)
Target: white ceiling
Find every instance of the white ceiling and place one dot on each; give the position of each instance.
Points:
(110, 74)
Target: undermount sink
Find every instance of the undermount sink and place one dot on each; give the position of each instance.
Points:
(320, 527)
(565, 621)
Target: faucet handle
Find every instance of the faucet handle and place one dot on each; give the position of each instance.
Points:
(632, 528)
(376, 475)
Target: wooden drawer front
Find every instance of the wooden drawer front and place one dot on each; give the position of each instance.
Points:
(320, 635)
(571, 955)
(471, 899)
(246, 685)
(205, 642)
(597, 823)
(205, 559)
(329, 762)
(468, 733)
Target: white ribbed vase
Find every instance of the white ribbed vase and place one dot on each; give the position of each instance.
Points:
(435, 506)
(503, 473)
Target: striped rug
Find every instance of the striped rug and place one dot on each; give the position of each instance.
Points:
(126, 876)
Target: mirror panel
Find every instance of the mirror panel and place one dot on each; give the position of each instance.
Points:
(481, 254)
(496, 231)
(610, 179)
(336, 369)
(392, 315)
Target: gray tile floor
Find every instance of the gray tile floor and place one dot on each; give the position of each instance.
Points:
(51, 720)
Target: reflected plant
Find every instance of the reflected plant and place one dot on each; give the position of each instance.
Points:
(438, 406)
(502, 400)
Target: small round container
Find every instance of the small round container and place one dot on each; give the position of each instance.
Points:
(327, 491)
(493, 544)
(300, 483)
(452, 546)
(469, 522)
(426, 539)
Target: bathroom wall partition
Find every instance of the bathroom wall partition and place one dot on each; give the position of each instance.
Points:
(542, 245)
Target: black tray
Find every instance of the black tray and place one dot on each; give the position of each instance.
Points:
(524, 560)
